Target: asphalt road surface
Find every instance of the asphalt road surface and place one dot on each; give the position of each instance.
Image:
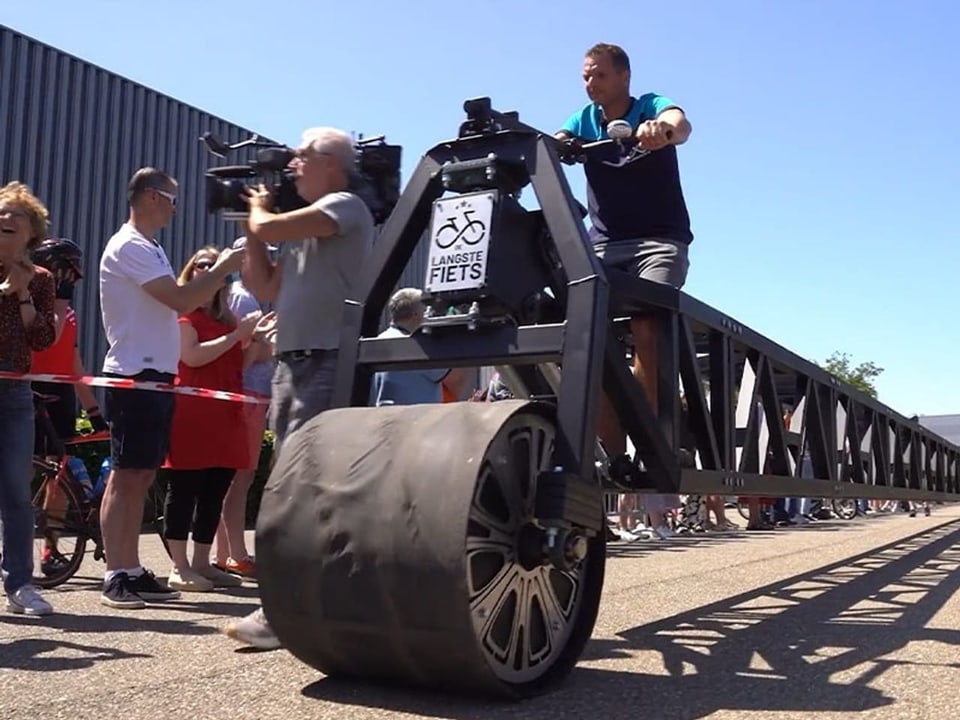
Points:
(835, 620)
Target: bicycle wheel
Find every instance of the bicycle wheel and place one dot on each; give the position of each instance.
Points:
(845, 508)
(61, 530)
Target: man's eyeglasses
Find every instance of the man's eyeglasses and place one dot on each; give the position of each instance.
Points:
(169, 196)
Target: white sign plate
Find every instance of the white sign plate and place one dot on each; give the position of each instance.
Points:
(459, 242)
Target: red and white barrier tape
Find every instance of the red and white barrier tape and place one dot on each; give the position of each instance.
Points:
(128, 384)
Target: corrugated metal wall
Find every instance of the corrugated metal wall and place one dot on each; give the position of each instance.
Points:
(76, 133)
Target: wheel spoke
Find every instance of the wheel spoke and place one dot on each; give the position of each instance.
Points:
(495, 608)
(555, 616)
(519, 652)
(486, 558)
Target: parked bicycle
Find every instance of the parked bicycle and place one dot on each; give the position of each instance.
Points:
(66, 510)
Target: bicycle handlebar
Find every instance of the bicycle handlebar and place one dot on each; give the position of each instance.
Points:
(88, 437)
(572, 151)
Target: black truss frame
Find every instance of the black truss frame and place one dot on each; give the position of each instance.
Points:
(856, 446)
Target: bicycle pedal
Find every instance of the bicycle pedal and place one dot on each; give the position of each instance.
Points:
(622, 470)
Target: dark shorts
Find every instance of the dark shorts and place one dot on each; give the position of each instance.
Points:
(659, 260)
(62, 413)
(139, 422)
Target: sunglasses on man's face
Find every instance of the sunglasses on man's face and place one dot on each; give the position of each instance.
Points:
(169, 196)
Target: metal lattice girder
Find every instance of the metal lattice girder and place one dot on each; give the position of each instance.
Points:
(855, 446)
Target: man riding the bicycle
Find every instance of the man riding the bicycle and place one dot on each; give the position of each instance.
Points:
(636, 205)
(64, 259)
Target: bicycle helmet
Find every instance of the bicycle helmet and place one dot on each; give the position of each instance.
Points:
(59, 253)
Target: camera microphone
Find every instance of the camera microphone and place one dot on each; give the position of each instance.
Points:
(215, 145)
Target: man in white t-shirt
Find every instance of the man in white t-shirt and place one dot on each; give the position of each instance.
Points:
(140, 301)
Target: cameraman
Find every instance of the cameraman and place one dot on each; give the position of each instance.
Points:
(322, 246)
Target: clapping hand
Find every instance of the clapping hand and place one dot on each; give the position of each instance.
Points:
(247, 325)
(266, 325)
(19, 275)
(230, 260)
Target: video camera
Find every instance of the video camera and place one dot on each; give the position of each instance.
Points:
(376, 176)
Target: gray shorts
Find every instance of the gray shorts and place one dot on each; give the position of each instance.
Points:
(659, 260)
(302, 388)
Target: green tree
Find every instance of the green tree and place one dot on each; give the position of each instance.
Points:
(862, 376)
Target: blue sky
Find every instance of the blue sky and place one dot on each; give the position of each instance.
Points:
(820, 174)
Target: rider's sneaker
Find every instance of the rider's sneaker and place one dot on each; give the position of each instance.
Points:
(28, 601)
(146, 586)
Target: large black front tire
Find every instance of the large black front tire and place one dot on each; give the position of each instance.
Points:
(399, 545)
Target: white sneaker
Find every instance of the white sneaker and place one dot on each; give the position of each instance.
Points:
(28, 601)
(219, 578)
(188, 581)
(254, 630)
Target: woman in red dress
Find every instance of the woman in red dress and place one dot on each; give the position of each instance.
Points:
(208, 437)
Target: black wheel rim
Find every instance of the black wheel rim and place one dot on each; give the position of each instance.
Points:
(523, 612)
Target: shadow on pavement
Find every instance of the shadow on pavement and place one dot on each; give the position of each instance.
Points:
(138, 621)
(776, 648)
(37, 655)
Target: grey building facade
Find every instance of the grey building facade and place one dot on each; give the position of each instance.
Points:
(75, 133)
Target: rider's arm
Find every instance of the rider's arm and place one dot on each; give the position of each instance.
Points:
(666, 111)
(677, 120)
(573, 127)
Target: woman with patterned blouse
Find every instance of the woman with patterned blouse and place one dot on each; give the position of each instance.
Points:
(26, 326)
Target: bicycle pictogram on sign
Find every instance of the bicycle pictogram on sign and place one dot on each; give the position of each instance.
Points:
(450, 233)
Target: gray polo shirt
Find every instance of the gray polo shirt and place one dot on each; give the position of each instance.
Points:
(316, 275)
